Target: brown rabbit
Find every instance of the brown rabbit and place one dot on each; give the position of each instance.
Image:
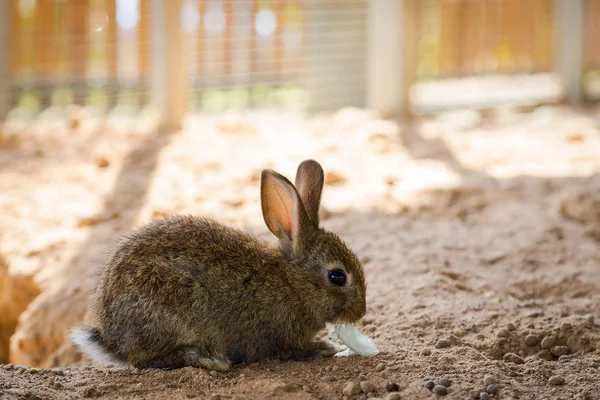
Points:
(188, 291)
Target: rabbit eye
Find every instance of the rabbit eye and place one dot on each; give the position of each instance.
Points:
(337, 277)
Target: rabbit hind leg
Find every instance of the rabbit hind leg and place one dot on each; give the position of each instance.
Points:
(187, 357)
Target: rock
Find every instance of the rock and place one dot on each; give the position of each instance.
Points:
(351, 388)
(510, 326)
(442, 343)
(444, 382)
(503, 333)
(489, 380)
(379, 367)
(440, 390)
(556, 380)
(474, 393)
(532, 340)
(545, 355)
(513, 358)
(391, 386)
(535, 314)
(425, 352)
(429, 384)
(392, 396)
(328, 379)
(560, 350)
(484, 396)
(367, 387)
(548, 342)
(492, 389)
(16, 293)
(566, 327)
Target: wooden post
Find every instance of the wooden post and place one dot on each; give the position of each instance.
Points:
(169, 68)
(569, 18)
(410, 17)
(384, 57)
(5, 58)
(392, 55)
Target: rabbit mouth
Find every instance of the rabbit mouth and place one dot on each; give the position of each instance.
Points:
(349, 316)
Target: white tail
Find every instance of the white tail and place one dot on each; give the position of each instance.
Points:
(88, 341)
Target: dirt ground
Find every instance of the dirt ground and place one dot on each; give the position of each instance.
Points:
(479, 238)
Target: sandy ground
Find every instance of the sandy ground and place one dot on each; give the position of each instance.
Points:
(479, 239)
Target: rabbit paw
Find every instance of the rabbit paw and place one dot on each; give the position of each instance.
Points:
(318, 349)
(330, 349)
(213, 364)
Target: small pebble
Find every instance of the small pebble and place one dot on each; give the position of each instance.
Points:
(392, 396)
(503, 333)
(484, 396)
(442, 343)
(566, 326)
(446, 360)
(532, 340)
(429, 385)
(328, 379)
(440, 390)
(513, 358)
(560, 350)
(391, 386)
(367, 387)
(590, 318)
(489, 380)
(361, 378)
(548, 342)
(351, 388)
(444, 382)
(426, 352)
(492, 389)
(545, 355)
(566, 357)
(474, 394)
(556, 380)
(510, 326)
(214, 374)
(34, 370)
(379, 367)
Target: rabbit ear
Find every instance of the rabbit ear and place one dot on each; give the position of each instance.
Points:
(309, 183)
(282, 208)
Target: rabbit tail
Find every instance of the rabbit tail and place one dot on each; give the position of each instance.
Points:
(89, 341)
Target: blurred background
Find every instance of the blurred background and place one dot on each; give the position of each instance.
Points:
(400, 57)
(460, 139)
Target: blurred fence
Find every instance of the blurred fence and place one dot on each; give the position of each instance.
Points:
(395, 55)
(238, 53)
